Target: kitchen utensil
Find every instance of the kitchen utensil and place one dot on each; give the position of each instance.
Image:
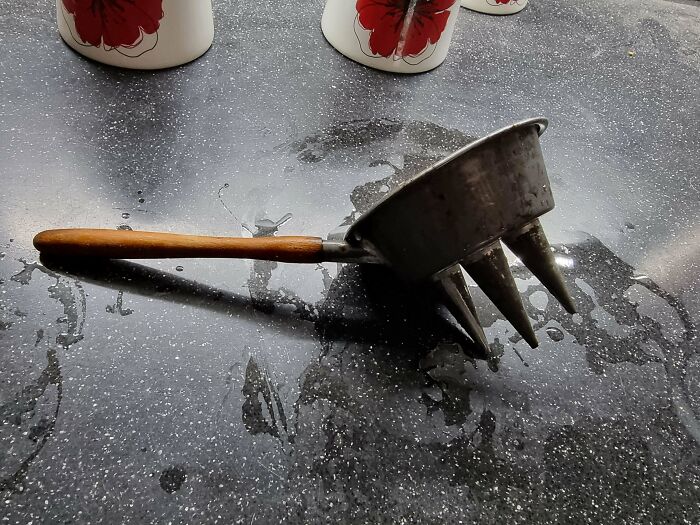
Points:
(143, 34)
(456, 212)
(401, 36)
(495, 7)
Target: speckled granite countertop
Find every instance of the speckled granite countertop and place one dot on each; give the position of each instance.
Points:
(239, 392)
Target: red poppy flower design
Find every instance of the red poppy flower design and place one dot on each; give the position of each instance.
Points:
(114, 23)
(398, 30)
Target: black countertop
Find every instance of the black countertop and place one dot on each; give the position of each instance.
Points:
(243, 392)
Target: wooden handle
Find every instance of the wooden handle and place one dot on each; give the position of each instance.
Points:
(127, 244)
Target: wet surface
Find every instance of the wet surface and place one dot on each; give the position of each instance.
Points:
(193, 391)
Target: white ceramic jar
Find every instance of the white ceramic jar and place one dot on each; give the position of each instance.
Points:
(138, 34)
(495, 7)
(400, 36)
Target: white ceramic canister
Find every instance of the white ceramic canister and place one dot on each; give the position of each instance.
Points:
(401, 36)
(495, 7)
(138, 34)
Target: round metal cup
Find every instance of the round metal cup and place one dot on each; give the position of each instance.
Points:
(460, 205)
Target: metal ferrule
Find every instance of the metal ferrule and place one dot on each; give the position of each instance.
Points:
(339, 251)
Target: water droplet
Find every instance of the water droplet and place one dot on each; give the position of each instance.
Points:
(171, 479)
(555, 334)
(126, 215)
(539, 300)
(124, 227)
(179, 268)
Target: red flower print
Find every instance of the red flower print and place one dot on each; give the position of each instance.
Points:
(115, 23)
(394, 32)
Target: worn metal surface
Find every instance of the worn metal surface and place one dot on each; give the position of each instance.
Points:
(479, 194)
(234, 391)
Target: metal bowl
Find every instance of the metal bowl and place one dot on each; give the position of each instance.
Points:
(462, 204)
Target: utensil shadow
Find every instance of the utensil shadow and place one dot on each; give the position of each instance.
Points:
(364, 304)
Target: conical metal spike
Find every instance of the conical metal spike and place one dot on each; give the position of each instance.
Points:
(454, 292)
(532, 248)
(456, 276)
(490, 271)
